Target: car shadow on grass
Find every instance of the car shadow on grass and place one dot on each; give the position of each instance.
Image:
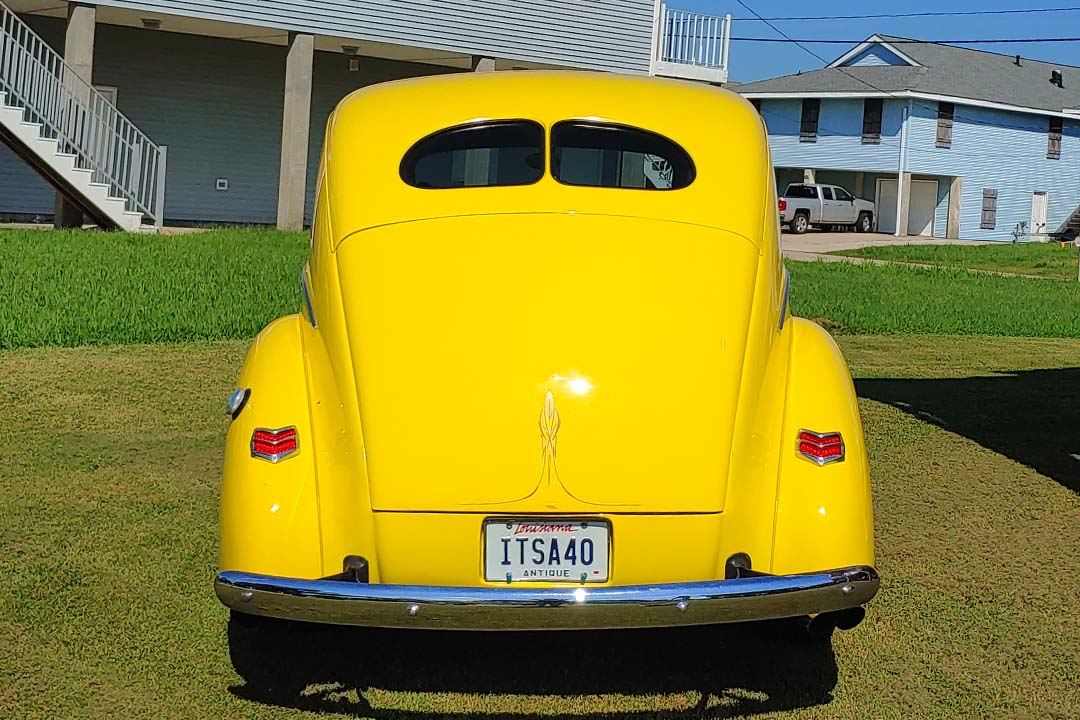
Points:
(1031, 416)
(706, 672)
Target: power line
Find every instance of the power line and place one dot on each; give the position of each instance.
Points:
(783, 34)
(979, 41)
(939, 13)
(799, 44)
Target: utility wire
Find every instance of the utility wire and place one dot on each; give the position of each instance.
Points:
(938, 13)
(787, 37)
(870, 85)
(979, 41)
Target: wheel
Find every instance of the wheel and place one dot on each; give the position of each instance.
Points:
(800, 224)
(864, 223)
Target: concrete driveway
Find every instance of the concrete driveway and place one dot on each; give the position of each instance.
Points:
(814, 245)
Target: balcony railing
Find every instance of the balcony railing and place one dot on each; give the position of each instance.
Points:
(691, 45)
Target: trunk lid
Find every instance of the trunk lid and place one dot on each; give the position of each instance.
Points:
(536, 363)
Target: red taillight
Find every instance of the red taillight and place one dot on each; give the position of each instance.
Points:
(782, 205)
(821, 448)
(274, 445)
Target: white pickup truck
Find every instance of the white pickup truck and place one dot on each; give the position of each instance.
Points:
(805, 205)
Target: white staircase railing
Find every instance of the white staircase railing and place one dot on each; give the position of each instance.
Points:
(82, 121)
(695, 39)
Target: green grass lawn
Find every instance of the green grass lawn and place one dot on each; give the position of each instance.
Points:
(71, 288)
(108, 522)
(895, 299)
(1047, 260)
(85, 288)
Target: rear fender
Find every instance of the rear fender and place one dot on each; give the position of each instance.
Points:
(824, 515)
(269, 511)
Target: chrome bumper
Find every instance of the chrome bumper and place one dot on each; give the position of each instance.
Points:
(556, 608)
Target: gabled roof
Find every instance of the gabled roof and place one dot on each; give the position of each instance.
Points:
(943, 70)
(869, 43)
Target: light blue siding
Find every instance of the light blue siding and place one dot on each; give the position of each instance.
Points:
(839, 143)
(597, 34)
(995, 149)
(217, 124)
(876, 55)
(1002, 150)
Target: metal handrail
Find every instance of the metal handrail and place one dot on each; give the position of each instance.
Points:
(691, 38)
(82, 120)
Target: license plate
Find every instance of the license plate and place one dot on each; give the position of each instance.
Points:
(546, 550)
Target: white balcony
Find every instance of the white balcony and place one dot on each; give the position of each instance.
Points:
(691, 45)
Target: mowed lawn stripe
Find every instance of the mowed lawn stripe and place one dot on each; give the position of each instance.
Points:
(70, 288)
(108, 517)
(1048, 260)
(893, 299)
(91, 288)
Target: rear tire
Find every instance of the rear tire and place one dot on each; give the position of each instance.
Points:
(864, 223)
(263, 653)
(800, 224)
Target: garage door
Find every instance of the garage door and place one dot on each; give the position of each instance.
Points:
(923, 203)
(920, 216)
(886, 206)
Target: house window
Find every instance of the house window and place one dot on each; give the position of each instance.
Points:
(989, 209)
(945, 112)
(756, 103)
(1053, 142)
(871, 120)
(808, 126)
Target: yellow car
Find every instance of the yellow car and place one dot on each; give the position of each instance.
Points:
(545, 376)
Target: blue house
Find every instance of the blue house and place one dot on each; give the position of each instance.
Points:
(947, 141)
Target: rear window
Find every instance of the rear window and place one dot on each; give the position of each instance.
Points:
(801, 191)
(617, 156)
(499, 153)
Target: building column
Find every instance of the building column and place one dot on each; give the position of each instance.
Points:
(903, 203)
(483, 64)
(295, 128)
(955, 191)
(860, 182)
(79, 56)
(808, 176)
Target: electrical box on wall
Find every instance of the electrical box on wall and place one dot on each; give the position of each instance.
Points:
(221, 184)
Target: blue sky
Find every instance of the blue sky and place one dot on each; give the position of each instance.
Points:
(754, 61)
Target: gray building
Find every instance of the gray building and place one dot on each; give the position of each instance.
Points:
(191, 111)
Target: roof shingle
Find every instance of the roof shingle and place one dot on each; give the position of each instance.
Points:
(946, 70)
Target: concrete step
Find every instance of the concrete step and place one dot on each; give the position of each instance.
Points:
(63, 168)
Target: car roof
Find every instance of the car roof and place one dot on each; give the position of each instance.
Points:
(372, 129)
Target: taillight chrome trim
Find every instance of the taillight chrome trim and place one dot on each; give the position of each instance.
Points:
(820, 461)
(275, 457)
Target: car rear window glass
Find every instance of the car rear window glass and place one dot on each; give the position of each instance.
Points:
(497, 153)
(801, 191)
(617, 156)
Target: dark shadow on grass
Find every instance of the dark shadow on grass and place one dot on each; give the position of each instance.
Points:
(1031, 416)
(736, 670)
